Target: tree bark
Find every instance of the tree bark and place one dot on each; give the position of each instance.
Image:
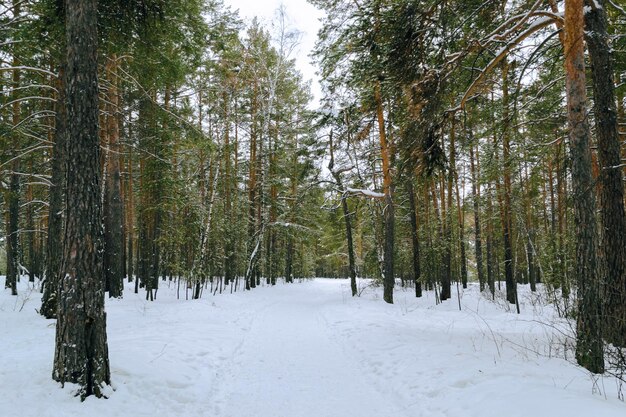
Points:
(346, 218)
(55, 216)
(509, 269)
(13, 196)
(415, 243)
(589, 348)
(388, 211)
(491, 273)
(477, 230)
(113, 205)
(81, 353)
(612, 215)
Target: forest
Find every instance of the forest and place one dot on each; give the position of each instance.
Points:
(155, 143)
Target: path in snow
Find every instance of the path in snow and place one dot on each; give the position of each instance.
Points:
(308, 349)
(289, 365)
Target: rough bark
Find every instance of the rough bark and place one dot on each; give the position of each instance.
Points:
(81, 353)
(589, 349)
(612, 214)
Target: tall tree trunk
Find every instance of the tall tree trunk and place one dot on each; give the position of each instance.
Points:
(388, 211)
(509, 269)
(530, 230)
(289, 260)
(415, 243)
(561, 179)
(446, 221)
(612, 215)
(56, 203)
(113, 205)
(346, 217)
(13, 196)
(271, 239)
(477, 230)
(447, 213)
(30, 227)
(439, 267)
(130, 219)
(460, 212)
(589, 346)
(229, 255)
(491, 269)
(252, 198)
(81, 353)
(13, 232)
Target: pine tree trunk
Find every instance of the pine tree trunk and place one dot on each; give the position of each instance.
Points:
(81, 354)
(612, 215)
(415, 243)
(451, 271)
(346, 218)
(56, 203)
(30, 227)
(388, 211)
(252, 199)
(477, 230)
(130, 220)
(113, 205)
(562, 270)
(589, 349)
(13, 196)
(530, 230)
(229, 261)
(460, 213)
(509, 269)
(13, 232)
(445, 221)
(491, 269)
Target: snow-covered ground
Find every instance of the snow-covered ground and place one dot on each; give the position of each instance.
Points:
(308, 349)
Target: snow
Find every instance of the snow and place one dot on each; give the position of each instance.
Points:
(309, 349)
(366, 193)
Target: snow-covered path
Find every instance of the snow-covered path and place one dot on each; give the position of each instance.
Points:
(289, 365)
(308, 349)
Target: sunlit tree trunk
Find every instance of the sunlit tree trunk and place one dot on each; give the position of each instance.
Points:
(589, 349)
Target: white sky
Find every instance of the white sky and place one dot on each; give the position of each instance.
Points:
(301, 16)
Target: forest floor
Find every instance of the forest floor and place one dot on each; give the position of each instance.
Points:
(309, 349)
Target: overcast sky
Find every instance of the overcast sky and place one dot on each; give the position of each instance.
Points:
(301, 16)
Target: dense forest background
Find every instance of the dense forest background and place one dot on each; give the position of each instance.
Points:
(456, 141)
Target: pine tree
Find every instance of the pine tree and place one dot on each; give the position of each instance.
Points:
(81, 354)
